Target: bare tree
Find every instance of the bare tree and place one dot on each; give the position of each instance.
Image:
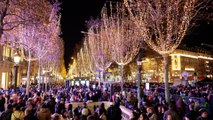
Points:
(121, 34)
(162, 25)
(84, 59)
(35, 37)
(88, 57)
(100, 46)
(22, 12)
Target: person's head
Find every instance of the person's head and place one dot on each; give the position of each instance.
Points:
(62, 100)
(17, 107)
(141, 117)
(204, 114)
(150, 110)
(191, 106)
(70, 107)
(56, 117)
(38, 94)
(160, 109)
(85, 105)
(102, 105)
(9, 106)
(169, 117)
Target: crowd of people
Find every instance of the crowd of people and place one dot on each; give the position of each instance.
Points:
(56, 104)
(187, 103)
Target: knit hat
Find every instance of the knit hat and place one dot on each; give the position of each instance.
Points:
(85, 111)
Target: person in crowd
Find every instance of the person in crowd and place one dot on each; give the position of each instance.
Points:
(6, 115)
(2, 103)
(151, 113)
(17, 113)
(160, 112)
(60, 106)
(70, 112)
(114, 111)
(181, 107)
(77, 113)
(203, 115)
(51, 104)
(44, 113)
(169, 117)
(64, 115)
(85, 112)
(102, 114)
(37, 98)
(171, 113)
(191, 113)
(30, 112)
(135, 115)
(56, 116)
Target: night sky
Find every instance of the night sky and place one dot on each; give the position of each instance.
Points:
(74, 15)
(76, 12)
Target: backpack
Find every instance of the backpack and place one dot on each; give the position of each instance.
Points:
(16, 117)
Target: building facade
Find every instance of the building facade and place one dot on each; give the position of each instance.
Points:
(195, 65)
(6, 67)
(182, 63)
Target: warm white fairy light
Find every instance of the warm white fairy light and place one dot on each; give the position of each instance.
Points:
(121, 33)
(162, 24)
(99, 46)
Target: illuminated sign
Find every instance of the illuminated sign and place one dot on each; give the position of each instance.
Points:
(176, 62)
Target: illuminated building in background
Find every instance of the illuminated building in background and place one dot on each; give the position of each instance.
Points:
(7, 72)
(197, 64)
(7, 67)
(194, 63)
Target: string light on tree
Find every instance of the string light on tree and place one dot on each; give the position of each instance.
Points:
(163, 24)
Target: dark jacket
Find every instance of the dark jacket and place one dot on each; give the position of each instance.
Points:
(6, 115)
(174, 115)
(113, 113)
(30, 115)
(2, 102)
(44, 114)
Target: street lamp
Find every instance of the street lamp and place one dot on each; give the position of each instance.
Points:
(16, 60)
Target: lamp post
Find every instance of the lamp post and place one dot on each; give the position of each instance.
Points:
(16, 60)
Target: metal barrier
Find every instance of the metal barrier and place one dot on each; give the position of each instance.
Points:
(126, 113)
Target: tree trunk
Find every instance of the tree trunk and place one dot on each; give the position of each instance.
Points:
(167, 95)
(46, 80)
(103, 79)
(28, 75)
(39, 74)
(43, 85)
(122, 81)
(99, 80)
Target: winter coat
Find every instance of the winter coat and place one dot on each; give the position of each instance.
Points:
(17, 114)
(44, 114)
(6, 115)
